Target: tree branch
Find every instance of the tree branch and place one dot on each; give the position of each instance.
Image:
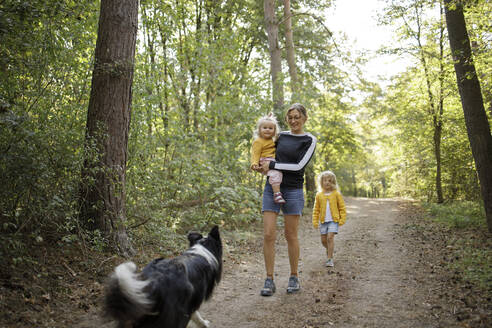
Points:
(317, 19)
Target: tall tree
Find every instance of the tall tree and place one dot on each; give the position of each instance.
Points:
(294, 86)
(414, 27)
(437, 115)
(291, 54)
(436, 106)
(102, 202)
(272, 26)
(477, 124)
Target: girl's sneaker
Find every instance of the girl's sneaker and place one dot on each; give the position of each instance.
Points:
(330, 263)
(278, 199)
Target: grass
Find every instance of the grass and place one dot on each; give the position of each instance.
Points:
(476, 265)
(458, 214)
(472, 244)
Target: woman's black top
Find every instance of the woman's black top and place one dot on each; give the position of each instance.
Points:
(293, 152)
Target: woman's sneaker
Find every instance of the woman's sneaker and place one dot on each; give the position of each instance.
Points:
(278, 199)
(330, 263)
(269, 287)
(293, 285)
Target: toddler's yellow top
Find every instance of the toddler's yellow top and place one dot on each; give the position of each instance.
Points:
(262, 148)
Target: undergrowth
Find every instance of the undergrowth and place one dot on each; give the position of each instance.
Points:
(458, 214)
(471, 244)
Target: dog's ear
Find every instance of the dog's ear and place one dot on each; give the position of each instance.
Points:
(193, 237)
(214, 233)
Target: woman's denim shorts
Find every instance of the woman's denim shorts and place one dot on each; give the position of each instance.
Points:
(294, 201)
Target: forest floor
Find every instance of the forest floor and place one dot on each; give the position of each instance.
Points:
(391, 270)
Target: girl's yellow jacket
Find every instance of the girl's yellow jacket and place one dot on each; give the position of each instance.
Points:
(337, 208)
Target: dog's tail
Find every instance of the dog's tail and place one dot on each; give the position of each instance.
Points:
(126, 298)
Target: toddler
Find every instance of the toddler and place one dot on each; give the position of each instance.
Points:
(263, 149)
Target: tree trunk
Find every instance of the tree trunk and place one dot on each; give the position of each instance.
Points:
(165, 83)
(310, 184)
(435, 110)
(196, 71)
(354, 183)
(440, 110)
(291, 56)
(477, 124)
(149, 70)
(271, 25)
(108, 119)
(437, 154)
(291, 61)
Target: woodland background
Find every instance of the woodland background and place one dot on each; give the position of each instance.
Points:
(201, 78)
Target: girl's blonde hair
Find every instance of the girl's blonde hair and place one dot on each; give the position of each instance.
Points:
(270, 118)
(332, 180)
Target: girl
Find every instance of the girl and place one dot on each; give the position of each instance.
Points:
(263, 149)
(328, 212)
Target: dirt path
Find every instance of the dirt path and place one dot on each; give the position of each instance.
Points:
(385, 275)
(393, 268)
(373, 284)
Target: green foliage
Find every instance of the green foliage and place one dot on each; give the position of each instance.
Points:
(401, 120)
(458, 214)
(475, 263)
(472, 252)
(337, 141)
(201, 80)
(43, 89)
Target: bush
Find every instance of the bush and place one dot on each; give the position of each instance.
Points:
(471, 245)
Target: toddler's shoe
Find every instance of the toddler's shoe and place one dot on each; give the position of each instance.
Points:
(278, 199)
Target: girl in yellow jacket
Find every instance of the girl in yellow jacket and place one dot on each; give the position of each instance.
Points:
(329, 212)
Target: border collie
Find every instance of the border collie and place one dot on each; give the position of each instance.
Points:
(168, 292)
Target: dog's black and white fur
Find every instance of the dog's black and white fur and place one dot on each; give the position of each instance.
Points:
(168, 292)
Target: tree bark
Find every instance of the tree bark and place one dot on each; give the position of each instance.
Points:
(102, 202)
(436, 110)
(291, 61)
(271, 25)
(477, 124)
(291, 55)
(310, 184)
(437, 118)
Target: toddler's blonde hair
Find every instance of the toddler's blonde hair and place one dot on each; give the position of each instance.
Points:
(267, 118)
(332, 180)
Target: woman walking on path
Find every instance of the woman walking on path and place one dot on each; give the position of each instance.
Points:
(294, 149)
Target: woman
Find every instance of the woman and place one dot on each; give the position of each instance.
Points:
(294, 149)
